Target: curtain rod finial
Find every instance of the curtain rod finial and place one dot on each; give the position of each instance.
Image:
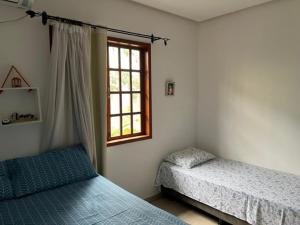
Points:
(30, 13)
(166, 42)
(44, 18)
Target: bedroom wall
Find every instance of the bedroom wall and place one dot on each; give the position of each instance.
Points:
(23, 44)
(132, 166)
(248, 79)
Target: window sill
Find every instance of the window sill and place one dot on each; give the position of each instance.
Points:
(128, 140)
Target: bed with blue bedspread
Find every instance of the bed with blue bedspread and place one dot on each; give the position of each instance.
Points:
(62, 188)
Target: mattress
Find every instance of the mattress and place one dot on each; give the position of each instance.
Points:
(256, 195)
(92, 202)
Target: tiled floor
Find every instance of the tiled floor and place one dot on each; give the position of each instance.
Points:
(188, 214)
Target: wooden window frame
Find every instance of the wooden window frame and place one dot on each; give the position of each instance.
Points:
(146, 111)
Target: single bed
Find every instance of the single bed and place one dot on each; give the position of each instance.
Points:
(252, 194)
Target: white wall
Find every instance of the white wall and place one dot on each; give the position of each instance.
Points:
(25, 45)
(132, 166)
(249, 79)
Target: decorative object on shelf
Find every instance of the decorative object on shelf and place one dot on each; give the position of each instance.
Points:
(6, 122)
(19, 118)
(170, 88)
(23, 118)
(16, 81)
(14, 116)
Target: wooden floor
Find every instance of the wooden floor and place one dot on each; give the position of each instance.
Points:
(187, 213)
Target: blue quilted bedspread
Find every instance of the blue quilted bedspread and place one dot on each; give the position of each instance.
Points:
(92, 202)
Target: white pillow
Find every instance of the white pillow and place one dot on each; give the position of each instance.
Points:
(189, 158)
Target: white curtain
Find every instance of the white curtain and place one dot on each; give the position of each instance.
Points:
(70, 113)
(99, 87)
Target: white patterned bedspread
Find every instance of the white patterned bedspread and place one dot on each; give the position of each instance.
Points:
(253, 194)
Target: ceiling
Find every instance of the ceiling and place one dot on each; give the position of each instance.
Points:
(200, 10)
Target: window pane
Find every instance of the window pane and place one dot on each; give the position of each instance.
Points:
(115, 126)
(114, 81)
(126, 125)
(136, 81)
(126, 105)
(136, 102)
(125, 76)
(137, 123)
(135, 57)
(114, 104)
(124, 58)
(113, 57)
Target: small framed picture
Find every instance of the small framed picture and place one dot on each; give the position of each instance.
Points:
(170, 88)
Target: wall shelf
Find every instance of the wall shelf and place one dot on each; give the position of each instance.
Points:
(21, 123)
(18, 88)
(21, 100)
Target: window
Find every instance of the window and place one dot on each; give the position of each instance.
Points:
(129, 91)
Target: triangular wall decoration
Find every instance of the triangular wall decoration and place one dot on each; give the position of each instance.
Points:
(17, 80)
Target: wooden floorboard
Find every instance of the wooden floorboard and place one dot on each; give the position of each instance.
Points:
(185, 212)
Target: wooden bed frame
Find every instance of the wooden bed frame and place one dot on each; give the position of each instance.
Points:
(223, 217)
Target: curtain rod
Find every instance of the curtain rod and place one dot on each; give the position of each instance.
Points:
(46, 17)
